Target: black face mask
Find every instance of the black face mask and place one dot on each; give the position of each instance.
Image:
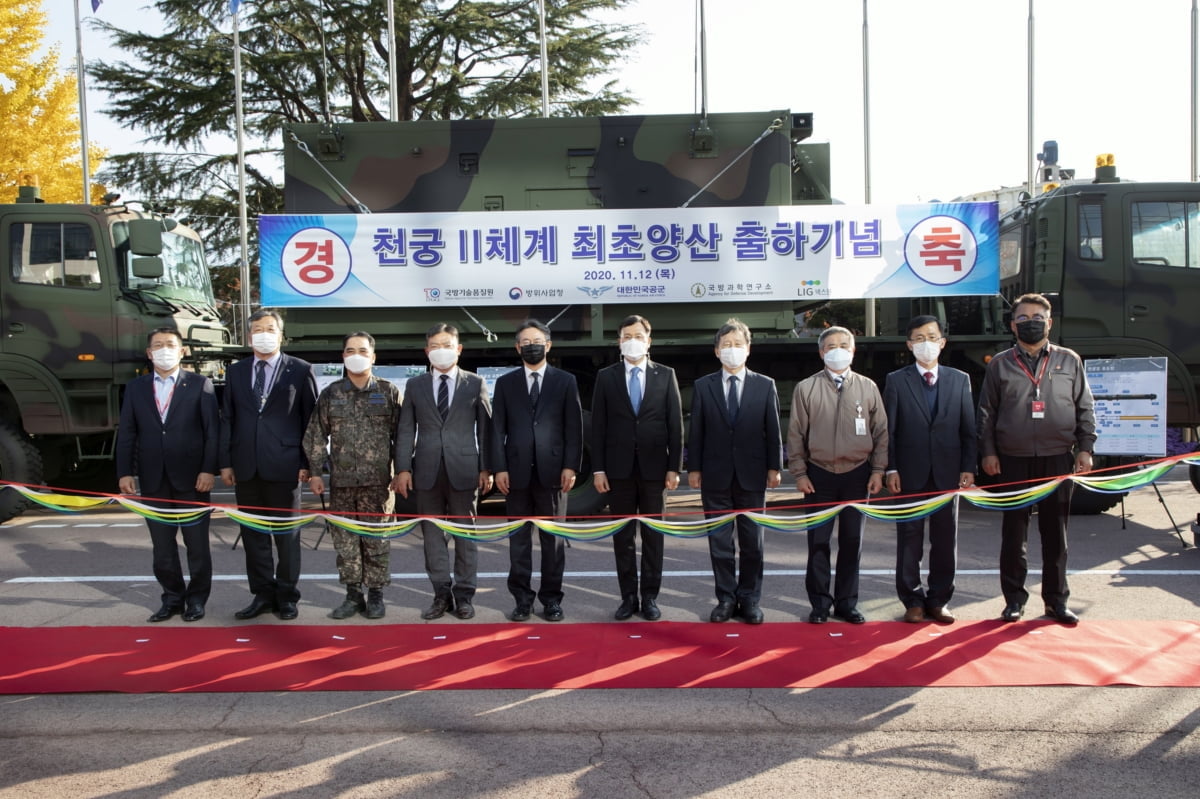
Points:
(1031, 331)
(533, 353)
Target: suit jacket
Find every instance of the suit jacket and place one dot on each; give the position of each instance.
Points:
(550, 436)
(921, 447)
(175, 451)
(745, 450)
(655, 431)
(270, 443)
(424, 441)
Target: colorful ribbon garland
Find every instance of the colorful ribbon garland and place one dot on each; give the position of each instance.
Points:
(1142, 475)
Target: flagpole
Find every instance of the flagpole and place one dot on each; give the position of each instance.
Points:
(393, 94)
(244, 273)
(83, 136)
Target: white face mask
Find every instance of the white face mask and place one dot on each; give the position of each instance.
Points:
(167, 358)
(838, 359)
(442, 358)
(926, 351)
(356, 364)
(734, 357)
(265, 343)
(634, 350)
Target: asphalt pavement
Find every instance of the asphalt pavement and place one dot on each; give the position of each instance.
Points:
(93, 569)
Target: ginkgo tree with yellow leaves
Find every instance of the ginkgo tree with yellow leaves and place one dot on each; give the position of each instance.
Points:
(39, 110)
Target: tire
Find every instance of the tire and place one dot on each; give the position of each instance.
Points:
(1090, 503)
(584, 499)
(20, 462)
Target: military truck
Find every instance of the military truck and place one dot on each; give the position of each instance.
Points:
(660, 161)
(80, 288)
(1121, 303)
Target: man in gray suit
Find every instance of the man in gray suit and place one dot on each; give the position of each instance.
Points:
(441, 450)
(931, 449)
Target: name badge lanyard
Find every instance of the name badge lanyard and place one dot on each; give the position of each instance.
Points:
(166, 404)
(1038, 408)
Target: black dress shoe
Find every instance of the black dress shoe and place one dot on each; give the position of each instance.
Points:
(1013, 611)
(164, 613)
(751, 613)
(722, 612)
(1062, 614)
(438, 609)
(521, 613)
(554, 611)
(257, 607)
(193, 612)
(464, 609)
(650, 611)
(288, 611)
(628, 607)
(853, 615)
(818, 617)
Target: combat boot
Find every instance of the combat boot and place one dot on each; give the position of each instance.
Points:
(375, 608)
(353, 603)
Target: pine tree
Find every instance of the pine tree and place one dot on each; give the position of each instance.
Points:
(38, 111)
(306, 61)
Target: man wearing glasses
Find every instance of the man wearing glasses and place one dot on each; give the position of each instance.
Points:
(931, 449)
(537, 448)
(1035, 407)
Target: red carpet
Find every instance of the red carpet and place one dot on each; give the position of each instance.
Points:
(661, 655)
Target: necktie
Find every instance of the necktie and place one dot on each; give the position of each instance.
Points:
(731, 400)
(929, 379)
(837, 381)
(443, 398)
(635, 388)
(534, 392)
(260, 381)
(930, 392)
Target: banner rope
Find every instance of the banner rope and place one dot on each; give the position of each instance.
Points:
(597, 528)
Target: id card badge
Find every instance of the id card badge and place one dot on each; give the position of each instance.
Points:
(860, 426)
(1037, 409)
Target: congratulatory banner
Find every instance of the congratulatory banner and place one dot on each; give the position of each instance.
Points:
(629, 255)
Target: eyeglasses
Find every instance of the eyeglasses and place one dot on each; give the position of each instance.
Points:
(525, 342)
(923, 339)
(1037, 317)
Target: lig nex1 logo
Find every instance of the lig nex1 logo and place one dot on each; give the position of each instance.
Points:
(811, 288)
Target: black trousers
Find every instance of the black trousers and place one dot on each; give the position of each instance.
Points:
(268, 581)
(165, 546)
(830, 489)
(535, 500)
(741, 584)
(1053, 512)
(943, 555)
(628, 498)
(441, 501)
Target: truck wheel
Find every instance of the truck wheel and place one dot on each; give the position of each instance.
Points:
(20, 462)
(1089, 503)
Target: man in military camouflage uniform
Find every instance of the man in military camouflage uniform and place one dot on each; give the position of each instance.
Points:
(357, 417)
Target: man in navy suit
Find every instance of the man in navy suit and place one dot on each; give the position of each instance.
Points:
(637, 454)
(267, 401)
(169, 435)
(442, 452)
(735, 454)
(537, 448)
(931, 449)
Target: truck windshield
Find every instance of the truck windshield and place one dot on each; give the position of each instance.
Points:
(185, 274)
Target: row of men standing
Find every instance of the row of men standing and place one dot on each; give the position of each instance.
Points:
(838, 441)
